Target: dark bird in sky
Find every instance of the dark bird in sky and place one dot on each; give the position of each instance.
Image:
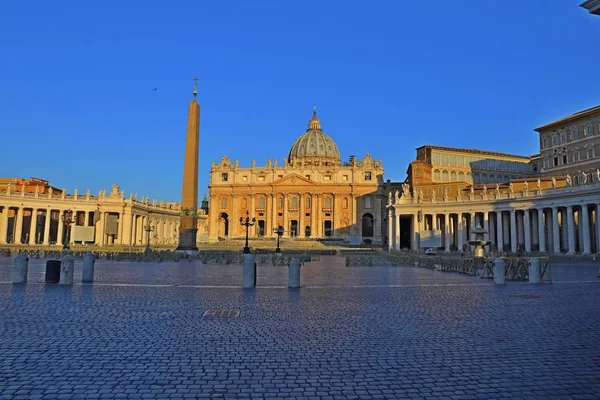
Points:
(155, 89)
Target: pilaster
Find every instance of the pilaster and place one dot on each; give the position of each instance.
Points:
(585, 220)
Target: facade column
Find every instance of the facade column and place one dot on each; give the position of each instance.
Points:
(286, 223)
(506, 226)
(534, 228)
(487, 225)
(318, 221)
(100, 229)
(585, 220)
(390, 232)
(472, 225)
(272, 209)
(541, 230)
(86, 218)
(513, 231)
(555, 231)
(520, 229)
(32, 226)
(18, 225)
(499, 231)
(527, 231)
(47, 226)
(301, 215)
(446, 232)
(252, 213)
(461, 231)
(571, 229)
(397, 241)
(61, 226)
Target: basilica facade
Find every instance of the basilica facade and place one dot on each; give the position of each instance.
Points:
(311, 194)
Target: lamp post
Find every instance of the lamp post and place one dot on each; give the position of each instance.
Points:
(67, 220)
(246, 222)
(148, 228)
(279, 232)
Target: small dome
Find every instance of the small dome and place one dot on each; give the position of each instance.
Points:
(314, 147)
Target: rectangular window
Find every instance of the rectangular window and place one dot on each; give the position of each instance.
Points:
(574, 134)
(590, 152)
(576, 156)
(279, 176)
(326, 177)
(344, 177)
(554, 140)
(555, 161)
(307, 177)
(589, 130)
(367, 176)
(544, 143)
(564, 159)
(563, 138)
(261, 178)
(244, 178)
(224, 177)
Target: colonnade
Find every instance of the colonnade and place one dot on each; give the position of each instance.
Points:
(568, 228)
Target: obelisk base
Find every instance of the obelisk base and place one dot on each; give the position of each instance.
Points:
(187, 240)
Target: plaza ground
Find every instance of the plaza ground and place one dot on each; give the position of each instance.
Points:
(348, 333)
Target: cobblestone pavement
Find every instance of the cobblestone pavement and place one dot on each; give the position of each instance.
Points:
(349, 333)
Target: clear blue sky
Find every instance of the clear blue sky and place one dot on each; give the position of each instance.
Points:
(77, 105)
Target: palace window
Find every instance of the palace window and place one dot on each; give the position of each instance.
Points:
(261, 202)
(453, 176)
(429, 190)
(590, 152)
(555, 161)
(327, 202)
(367, 202)
(261, 178)
(554, 140)
(563, 138)
(224, 177)
(576, 156)
(294, 202)
(589, 130)
(280, 203)
(326, 177)
(307, 203)
(461, 176)
(445, 176)
(544, 143)
(564, 159)
(436, 175)
(344, 177)
(574, 134)
(279, 176)
(367, 176)
(244, 178)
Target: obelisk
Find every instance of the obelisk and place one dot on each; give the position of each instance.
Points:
(189, 191)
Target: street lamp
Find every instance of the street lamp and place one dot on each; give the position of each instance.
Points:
(279, 232)
(246, 222)
(67, 219)
(148, 228)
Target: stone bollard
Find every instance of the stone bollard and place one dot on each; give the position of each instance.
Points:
(294, 273)
(67, 270)
(248, 271)
(21, 266)
(88, 268)
(534, 270)
(499, 271)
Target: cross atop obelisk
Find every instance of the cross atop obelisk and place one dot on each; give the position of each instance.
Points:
(189, 191)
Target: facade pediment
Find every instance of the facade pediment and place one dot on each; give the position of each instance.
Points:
(293, 179)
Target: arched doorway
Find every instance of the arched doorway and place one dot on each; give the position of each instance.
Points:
(367, 225)
(223, 225)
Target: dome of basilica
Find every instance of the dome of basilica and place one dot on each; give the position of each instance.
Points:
(314, 147)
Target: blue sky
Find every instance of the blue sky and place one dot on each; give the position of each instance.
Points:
(78, 105)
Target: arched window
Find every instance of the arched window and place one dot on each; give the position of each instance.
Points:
(345, 202)
(327, 202)
(261, 202)
(476, 178)
(506, 178)
(469, 177)
(445, 176)
(453, 176)
(436, 175)
(294, 202)
(554, 140)
(224, 202)
(307, 203)
(280, 202)
(367, 202)
(484, 178)
(461, 176)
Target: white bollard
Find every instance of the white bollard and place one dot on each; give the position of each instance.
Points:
(499, 271)
(248, 271)
(88, 267)
(67, 269)
(21, 266)
(534, 270)
(294, 273)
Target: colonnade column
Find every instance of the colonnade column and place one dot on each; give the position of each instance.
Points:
(555, 231)
(499, 231)
(597, 227)
(488, 227)
(541, 230)
(415, 233)
(571, 229)
(390, 233)
(397, 241)
(527, 230)
(586, 229)
(461, 231)
(32, 226)
(446, 232)
(59, 234)
(47, 221)
(4, 226)
(513, 231)
(534, 228)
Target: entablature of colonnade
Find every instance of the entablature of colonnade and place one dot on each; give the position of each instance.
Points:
(566, 196)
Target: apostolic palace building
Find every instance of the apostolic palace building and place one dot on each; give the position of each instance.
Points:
(548, 202)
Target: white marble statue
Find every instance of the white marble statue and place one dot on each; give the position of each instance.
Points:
(8, 188)
(87, 193)
(397, 194)
(420, 194)
(50, 190)
(538, 184)
(75, 192)
(553, 182)
(497, 190)
(390, 197)
(405, 190)
(511, 188)
(568, 179)
(484, 190)
(23, 189)
(598, 175)
(584, 178)
(526, 186)
(37, 189)
(253, 163)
